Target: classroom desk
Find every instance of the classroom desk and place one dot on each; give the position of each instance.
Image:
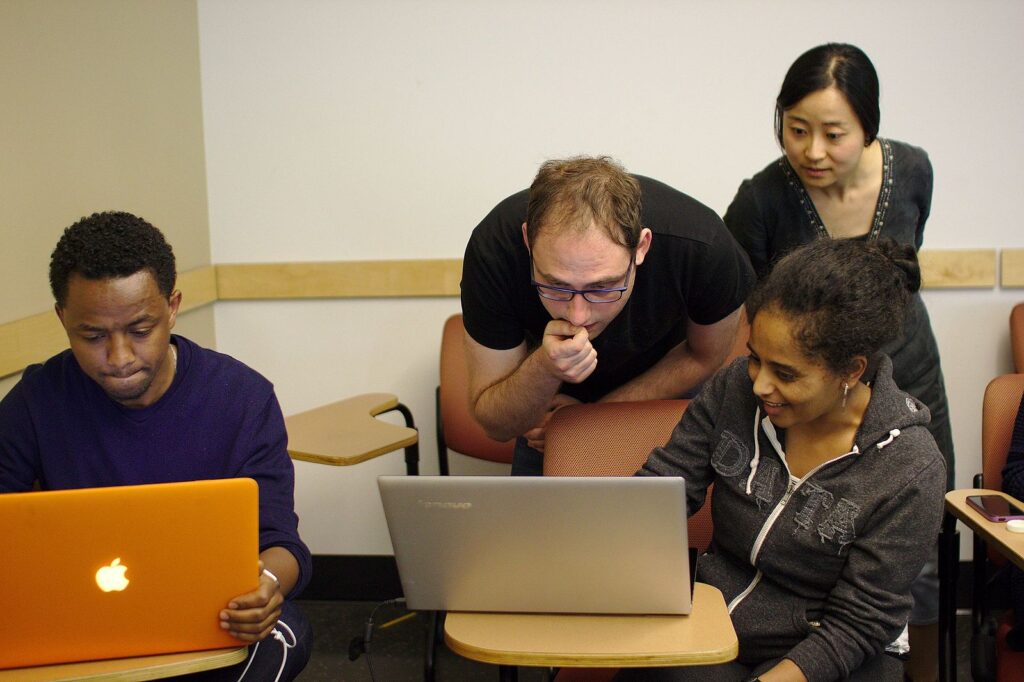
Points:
(1010, 545)
(596, 641)
(345, 432)
(129, 669)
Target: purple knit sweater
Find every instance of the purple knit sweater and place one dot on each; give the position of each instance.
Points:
(218, 419)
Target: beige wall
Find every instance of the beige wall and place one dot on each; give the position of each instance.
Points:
(101, 109)
(352, 130)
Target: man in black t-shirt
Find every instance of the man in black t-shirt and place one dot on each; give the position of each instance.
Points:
(594, 285)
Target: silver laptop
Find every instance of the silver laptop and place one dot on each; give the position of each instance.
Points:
(540, 544)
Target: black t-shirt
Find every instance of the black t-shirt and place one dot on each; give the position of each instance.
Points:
(693, 270)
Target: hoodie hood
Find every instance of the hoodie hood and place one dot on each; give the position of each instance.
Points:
(890, 411)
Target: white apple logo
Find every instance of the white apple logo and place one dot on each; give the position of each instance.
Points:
(111, 578)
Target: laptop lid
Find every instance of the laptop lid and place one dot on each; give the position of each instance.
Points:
(540, 544)
(171, 555)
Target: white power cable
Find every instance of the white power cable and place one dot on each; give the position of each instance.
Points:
(285, 646)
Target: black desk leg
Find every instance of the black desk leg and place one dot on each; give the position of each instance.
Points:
(508, 673)
(434, 625)
(412, 453)
(949, 554)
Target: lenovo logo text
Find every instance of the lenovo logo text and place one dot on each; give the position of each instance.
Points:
(430, 504)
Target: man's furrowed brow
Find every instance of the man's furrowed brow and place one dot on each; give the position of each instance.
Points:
(554, 281)
(596, 284)
(145, 318)
(608, 281)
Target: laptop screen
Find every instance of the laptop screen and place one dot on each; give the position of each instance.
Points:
(540, 544)
(124, 571)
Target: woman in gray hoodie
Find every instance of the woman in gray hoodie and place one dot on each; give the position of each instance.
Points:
(828, 486)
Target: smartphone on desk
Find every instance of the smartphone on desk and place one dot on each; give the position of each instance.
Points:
(995, 507)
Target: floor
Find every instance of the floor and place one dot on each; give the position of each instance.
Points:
(397, 647)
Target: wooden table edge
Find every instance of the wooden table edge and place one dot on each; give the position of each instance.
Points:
(722, 654)
(994, 532)
(542, 659)
(339, 460)
(160, 666)
(388, 402)
(957, 505)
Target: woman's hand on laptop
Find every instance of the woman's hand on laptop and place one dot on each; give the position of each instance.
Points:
(251, 617)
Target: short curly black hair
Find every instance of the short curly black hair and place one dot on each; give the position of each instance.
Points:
(848, 298)
(109, 245)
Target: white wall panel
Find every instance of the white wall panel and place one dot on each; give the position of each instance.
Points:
(374, 130)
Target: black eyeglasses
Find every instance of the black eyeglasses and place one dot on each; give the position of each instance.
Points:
(564, 294)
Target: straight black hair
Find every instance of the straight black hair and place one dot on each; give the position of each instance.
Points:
(844, 66)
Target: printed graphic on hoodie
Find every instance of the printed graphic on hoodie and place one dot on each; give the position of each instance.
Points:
(833, 521)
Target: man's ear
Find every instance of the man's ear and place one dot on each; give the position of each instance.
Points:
(525, 240)
(644, 245)
(60, 314)
(174, 302)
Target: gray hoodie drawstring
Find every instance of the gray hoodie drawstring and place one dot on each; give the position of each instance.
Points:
(756, 460)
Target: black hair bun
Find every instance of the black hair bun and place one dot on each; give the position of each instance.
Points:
(904, 257)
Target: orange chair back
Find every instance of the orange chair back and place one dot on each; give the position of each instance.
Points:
(1017, 337)
(614, 439)
(457, 429)
(998, 411)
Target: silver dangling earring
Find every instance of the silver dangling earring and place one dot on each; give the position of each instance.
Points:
(846, 392)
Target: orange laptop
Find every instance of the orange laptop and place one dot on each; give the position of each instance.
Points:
(126, 571)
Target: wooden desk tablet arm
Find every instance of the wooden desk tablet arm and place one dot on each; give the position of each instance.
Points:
(345, 432)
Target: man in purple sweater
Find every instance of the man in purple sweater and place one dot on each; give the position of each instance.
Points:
(130, 403)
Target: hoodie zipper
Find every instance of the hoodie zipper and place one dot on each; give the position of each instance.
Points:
(777, 511)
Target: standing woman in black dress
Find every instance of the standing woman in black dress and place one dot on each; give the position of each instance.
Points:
(837, 179)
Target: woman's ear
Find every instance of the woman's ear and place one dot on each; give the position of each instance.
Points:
(858, 366)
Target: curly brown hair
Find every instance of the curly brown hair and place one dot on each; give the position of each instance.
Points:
(848, 298)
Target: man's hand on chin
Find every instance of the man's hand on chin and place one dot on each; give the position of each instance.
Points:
(567, 352)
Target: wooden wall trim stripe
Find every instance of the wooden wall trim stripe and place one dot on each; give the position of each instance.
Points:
(36, 338)
(1012, 268)
(958, 269)
(28, 340)
(339, 279)
(198, 287)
